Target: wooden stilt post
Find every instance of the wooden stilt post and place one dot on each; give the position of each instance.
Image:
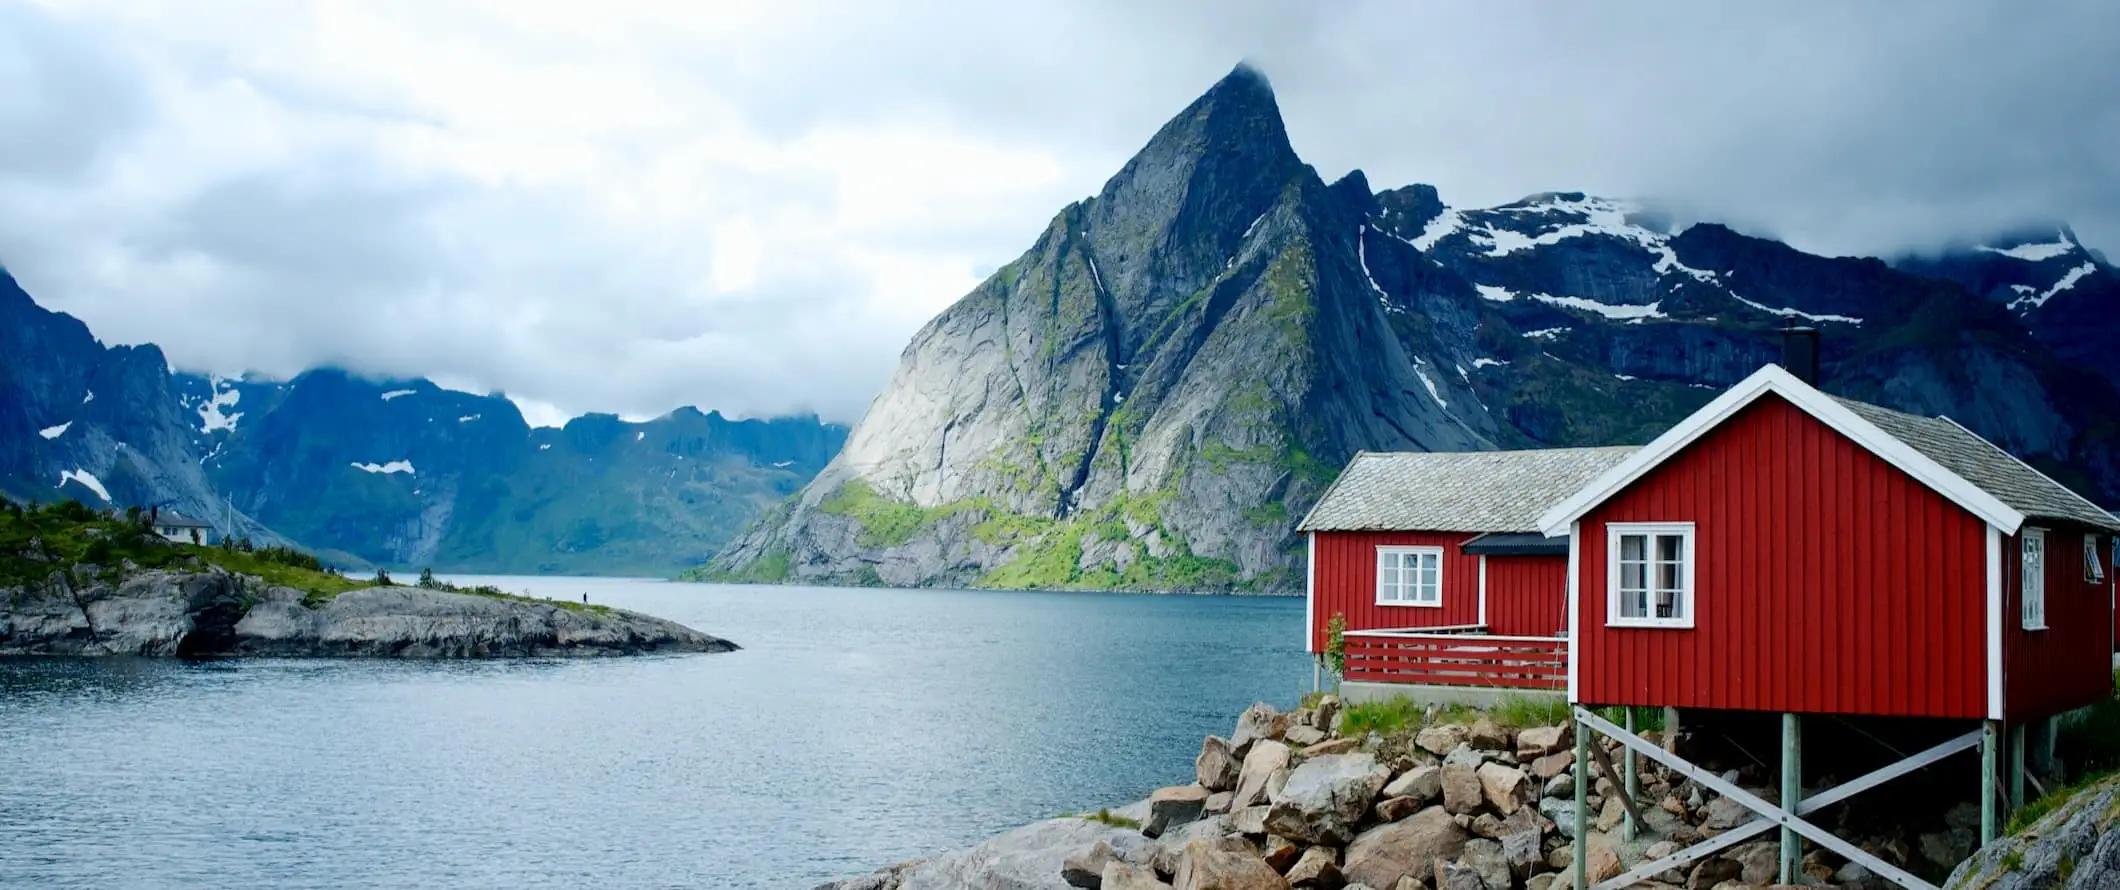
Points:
(1631, 787)
(1317, 674)
(2017, 734)
(1791, 791)
(1581, 864)
(1990, 740)
(1671, 729)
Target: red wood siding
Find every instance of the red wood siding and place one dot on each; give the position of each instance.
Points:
(1346, 582)
(1527, 596)
(2068, 665)
(1826, 581)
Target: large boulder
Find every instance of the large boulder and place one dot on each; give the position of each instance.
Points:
(1336, 746)
(1173, 806)
(1259, 764)
(1462, 793)
(1205, 866)
(1382, 855)
(1487, 735)
(1217, 766)
(1326, 797)
(1441, 739)
(1327, 709)
(1554, 764)
(1258, 723)
(1121, 876)
(1539, 741)
(1506, 788)
(1030, 856)
(1423, 783)
(1453, 876)
(1304, 736)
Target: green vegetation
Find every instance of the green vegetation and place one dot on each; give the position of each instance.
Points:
(1400, 715)
(2089, 742)
(885, 522)
(1107, 817)
(37, 541)
(1336, 645)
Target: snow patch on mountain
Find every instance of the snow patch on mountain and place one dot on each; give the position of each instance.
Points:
(211, 417)
(53, 432)
(1545, 333)
(2033, 253)
(1796, 313)
(468, 418)
(396, 393)
(1420, 368)
(1485, 362)
(88, 398)
(396, 466)
(2067, 281)
(1439, 228)
(1361, 253)
(87, 479)
(1494, 294)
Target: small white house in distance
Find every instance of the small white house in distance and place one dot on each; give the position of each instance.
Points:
(182, 529)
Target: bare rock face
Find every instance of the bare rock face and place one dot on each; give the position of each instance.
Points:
(1121, 876)
(1380, 856)
(1086, 869)
(2075, 847)
(1326, 797)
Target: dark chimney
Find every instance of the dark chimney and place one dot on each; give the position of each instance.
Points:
(1799, 353)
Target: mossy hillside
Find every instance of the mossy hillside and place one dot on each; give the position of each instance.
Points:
(35, 542)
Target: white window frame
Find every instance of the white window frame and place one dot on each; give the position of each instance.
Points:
(2093, 563)
(1614, 532)
(2032, 608)
(1384, 551)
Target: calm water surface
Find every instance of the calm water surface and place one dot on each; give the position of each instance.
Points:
(857, 728)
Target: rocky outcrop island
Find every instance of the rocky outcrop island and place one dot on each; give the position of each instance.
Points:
(74, 582)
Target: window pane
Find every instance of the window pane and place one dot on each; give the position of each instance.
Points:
(1630, 547)
(1667, 577)
(1633, 576)
(1670, 547)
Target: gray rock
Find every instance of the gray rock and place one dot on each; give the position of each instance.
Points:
(1382, 855)
(1218, 802)
(1560, 786)
(1505, 788)
(1562, 812)
(1392, 809)
(2079, 838)
(1422, 783)
(1441, 739)
(1173, 806)
(1724, 814)
(1461, 788)
(1121, 876)
(1249, 820)
(1259, 766)
(1465, 754)
(1031, 856)
(1086, 869)
(1258, 723)
(1207, 866)
(1326, 713)
(215, 614)
(1216, 768)
(1318, 867)
(1539, 741)
(1326, 797)
(1486, 859)
(1486, 735)
(1452, 876)
(1304, 736)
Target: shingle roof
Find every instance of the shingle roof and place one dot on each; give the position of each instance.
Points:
(1987, 467)
(173, 520)
(1455, 491)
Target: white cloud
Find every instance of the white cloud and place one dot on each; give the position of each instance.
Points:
(634, 205)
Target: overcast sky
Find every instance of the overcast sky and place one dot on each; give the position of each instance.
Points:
(627, 206)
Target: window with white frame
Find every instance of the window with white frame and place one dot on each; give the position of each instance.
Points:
(2093, 565)
(1409, 576)
(2032, 575)
(1649, 567)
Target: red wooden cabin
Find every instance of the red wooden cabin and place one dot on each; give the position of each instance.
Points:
(1435, 564)
(1787, 551)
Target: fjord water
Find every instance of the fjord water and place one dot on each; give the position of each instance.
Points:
(856, 728)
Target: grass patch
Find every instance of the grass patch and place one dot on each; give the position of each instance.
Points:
(1403, 714)
(885, 522)
(1107, 817)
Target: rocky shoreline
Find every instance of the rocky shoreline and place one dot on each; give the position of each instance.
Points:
(210, 614)
(1287, 802)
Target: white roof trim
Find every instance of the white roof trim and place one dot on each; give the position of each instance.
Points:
(2094, 508)
(1772, 379)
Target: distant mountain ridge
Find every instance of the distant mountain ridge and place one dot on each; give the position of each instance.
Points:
(400, 473)
(1155, 392)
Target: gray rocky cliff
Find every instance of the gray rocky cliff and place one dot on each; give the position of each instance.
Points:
(2075, 847)
(213, 614)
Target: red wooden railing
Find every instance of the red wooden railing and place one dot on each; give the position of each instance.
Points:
(1456, 659)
